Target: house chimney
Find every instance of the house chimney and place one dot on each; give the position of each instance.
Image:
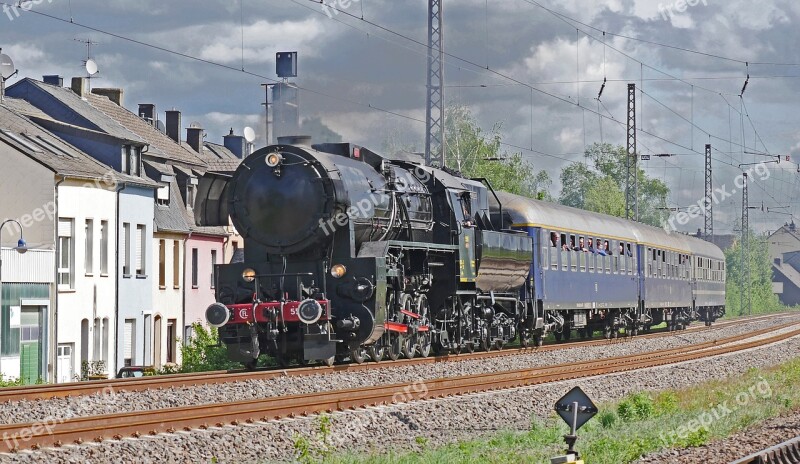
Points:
(147, 111)
(53, 79)
(174, 125)
(79, 85)
(236, 144)
(194, 137)
(115, 95)
(778, 261)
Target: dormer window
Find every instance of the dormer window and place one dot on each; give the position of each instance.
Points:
(131, 160)
(162, 195)
(190, 191)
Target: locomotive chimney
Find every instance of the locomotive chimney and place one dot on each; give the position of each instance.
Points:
(295, 140)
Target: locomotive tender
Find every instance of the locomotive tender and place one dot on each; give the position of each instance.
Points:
(351, 254)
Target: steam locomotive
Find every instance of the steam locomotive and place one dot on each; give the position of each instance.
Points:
(352, 254)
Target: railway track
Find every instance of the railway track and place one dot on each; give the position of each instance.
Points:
(73, 389)
(136, 424)
(787, 452)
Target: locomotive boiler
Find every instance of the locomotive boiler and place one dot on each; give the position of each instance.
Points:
(350, 254)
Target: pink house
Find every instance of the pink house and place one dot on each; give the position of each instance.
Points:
(202, 252)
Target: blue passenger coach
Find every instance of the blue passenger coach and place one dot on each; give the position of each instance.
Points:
(592, 271)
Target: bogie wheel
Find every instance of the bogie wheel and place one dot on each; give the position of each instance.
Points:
(499, 344)
(328, 361)
(376, 353)
(469, 347)
(524, 337)
(558, 336)
(251, 365)
(538, 338)
(358, 355)
(393, 350)
(409, 347)
(408, 343)
(424, 339)
(486, 344)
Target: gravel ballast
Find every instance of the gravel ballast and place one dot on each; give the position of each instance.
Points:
(742, 444)
(397, 426)
(123, 401)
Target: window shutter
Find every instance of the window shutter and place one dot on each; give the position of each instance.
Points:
(128, 340)
(138, 251)
(65, 227)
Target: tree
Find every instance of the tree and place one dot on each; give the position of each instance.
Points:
(604, 196)
(761, 296)
(474, 153)
(609, 169)
(204, 352)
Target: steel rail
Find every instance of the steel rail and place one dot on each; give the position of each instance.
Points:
(72, 389)
(787, 452)
(136, 424)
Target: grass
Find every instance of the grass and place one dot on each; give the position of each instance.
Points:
(624, 430)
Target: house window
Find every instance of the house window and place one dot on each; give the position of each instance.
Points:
(190, 190)
(128, 343)
(131, 160)
(89, 258)
(213, 267)
(176, 264)
(194, 267)
(162, 195)
(141, 248)
(126, 247)
(66, 252)
(162, 264)
(103, 247)
(172, 342)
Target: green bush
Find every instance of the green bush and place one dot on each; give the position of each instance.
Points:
(204, 352)
(607, 419)
(638, 406)
(666, 403)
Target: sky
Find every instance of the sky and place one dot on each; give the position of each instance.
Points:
(532, 67)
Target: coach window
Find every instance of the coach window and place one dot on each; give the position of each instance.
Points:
(555, 250)
(631, 254)
(622, 258)
(564, 252)
(573, 255)
(613, 255)
(592, 257)
(582, 254)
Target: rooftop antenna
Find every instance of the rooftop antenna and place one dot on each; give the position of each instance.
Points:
(7, 71)
(89, 64)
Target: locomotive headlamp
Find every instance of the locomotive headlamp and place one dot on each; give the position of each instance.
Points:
(274, 159)
(338, 271)
(249, 275)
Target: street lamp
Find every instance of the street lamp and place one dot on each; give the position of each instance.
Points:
(21, 248)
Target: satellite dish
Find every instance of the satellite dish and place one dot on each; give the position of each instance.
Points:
(7, 68)
(249, 134)
(195, 125)
(161, 127)
(91, 67)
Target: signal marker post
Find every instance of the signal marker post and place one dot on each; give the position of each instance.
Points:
(576, 408)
